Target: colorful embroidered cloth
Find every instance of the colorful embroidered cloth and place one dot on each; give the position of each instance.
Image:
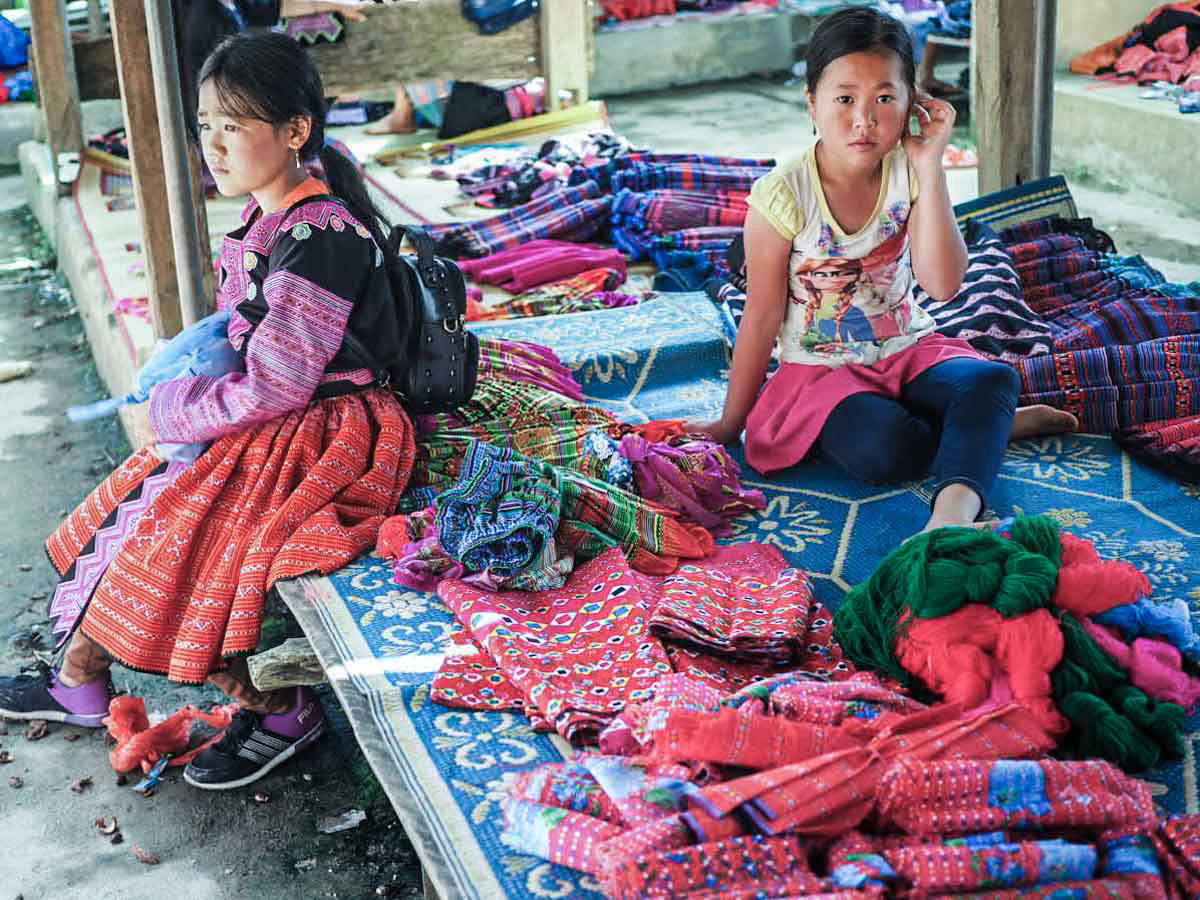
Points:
(692, 475)
(632, 732)
(989, 310)
(586, 291)
(579, 654)
(569, 838)
(572, 214)
(964, 795)
(1171, 444)
(1178, 844)
(540, 262)
(775, 866)
(834, 792)
(745, 602)
(806, 697)
(1121, 386)
(502, 513)
(567, 785)
(603, 173)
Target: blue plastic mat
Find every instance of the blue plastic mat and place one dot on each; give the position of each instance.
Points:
(444, 769)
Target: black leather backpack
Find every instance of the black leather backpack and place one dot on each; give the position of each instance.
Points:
(436, 372)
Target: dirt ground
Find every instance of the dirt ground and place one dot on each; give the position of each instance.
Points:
(211, 845)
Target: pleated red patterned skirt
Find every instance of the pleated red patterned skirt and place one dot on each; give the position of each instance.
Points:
(303, 493)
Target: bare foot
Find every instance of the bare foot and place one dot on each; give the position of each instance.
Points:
(1041, 419)
(401, 120)
(394, 122)
(940, 522)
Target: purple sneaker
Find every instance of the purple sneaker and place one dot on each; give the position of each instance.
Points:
(255, 744)
(43, 696)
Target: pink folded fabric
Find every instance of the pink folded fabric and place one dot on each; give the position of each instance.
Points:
(541, 262)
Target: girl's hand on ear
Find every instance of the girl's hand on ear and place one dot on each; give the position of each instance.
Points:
(937, 119)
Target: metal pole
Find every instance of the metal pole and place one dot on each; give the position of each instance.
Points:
(1043, 86)
(189, 268)
(95, 20)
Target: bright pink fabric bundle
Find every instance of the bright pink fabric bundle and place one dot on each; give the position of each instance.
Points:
(541, 262)
(1153, 665)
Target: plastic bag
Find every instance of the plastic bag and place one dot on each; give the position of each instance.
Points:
(493, 16)
(14, 45)
(140, 744)
(200, 349)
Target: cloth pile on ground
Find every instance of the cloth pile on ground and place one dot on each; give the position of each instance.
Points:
(679, 210)
(541, 262)
(820, 780)
(882, 801)
(1126, 344)
(519, 175)
(1164, 49)
(589, 290)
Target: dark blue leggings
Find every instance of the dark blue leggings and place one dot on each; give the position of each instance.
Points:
(954, 419)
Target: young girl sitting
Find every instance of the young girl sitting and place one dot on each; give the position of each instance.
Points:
(833, 242)
(166, 566)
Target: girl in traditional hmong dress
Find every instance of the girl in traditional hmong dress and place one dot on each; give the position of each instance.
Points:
(165, 567)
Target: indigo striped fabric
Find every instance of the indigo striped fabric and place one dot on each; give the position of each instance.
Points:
(572, 214)
(1115, 387)
(989, 311)
(603, 173)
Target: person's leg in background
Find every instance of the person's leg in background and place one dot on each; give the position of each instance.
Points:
(401, 120)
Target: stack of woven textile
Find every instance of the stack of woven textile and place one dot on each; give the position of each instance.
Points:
(798, 786)
(820, 780)
(680, 210)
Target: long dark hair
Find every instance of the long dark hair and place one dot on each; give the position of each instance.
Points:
(859, 30)
(270, 78)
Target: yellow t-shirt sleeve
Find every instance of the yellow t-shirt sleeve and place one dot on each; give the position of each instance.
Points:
(772, 198)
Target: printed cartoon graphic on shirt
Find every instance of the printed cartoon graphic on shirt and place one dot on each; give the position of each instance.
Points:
(865, 299)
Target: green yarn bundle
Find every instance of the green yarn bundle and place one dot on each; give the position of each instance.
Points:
(1110, 718)
(934, 574)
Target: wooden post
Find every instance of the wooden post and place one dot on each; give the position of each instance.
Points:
(565, 25)
(95, 20)
(203, 239)
(1003, 38)
(57, 86)
(131, 43)
(177, 160)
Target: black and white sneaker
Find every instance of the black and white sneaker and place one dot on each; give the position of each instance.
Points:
(42, 696)
(255, 744)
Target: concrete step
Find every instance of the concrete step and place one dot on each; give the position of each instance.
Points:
(694, 49)
(1105, 133)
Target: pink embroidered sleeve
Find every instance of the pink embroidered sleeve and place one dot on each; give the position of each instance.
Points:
(286, 356)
